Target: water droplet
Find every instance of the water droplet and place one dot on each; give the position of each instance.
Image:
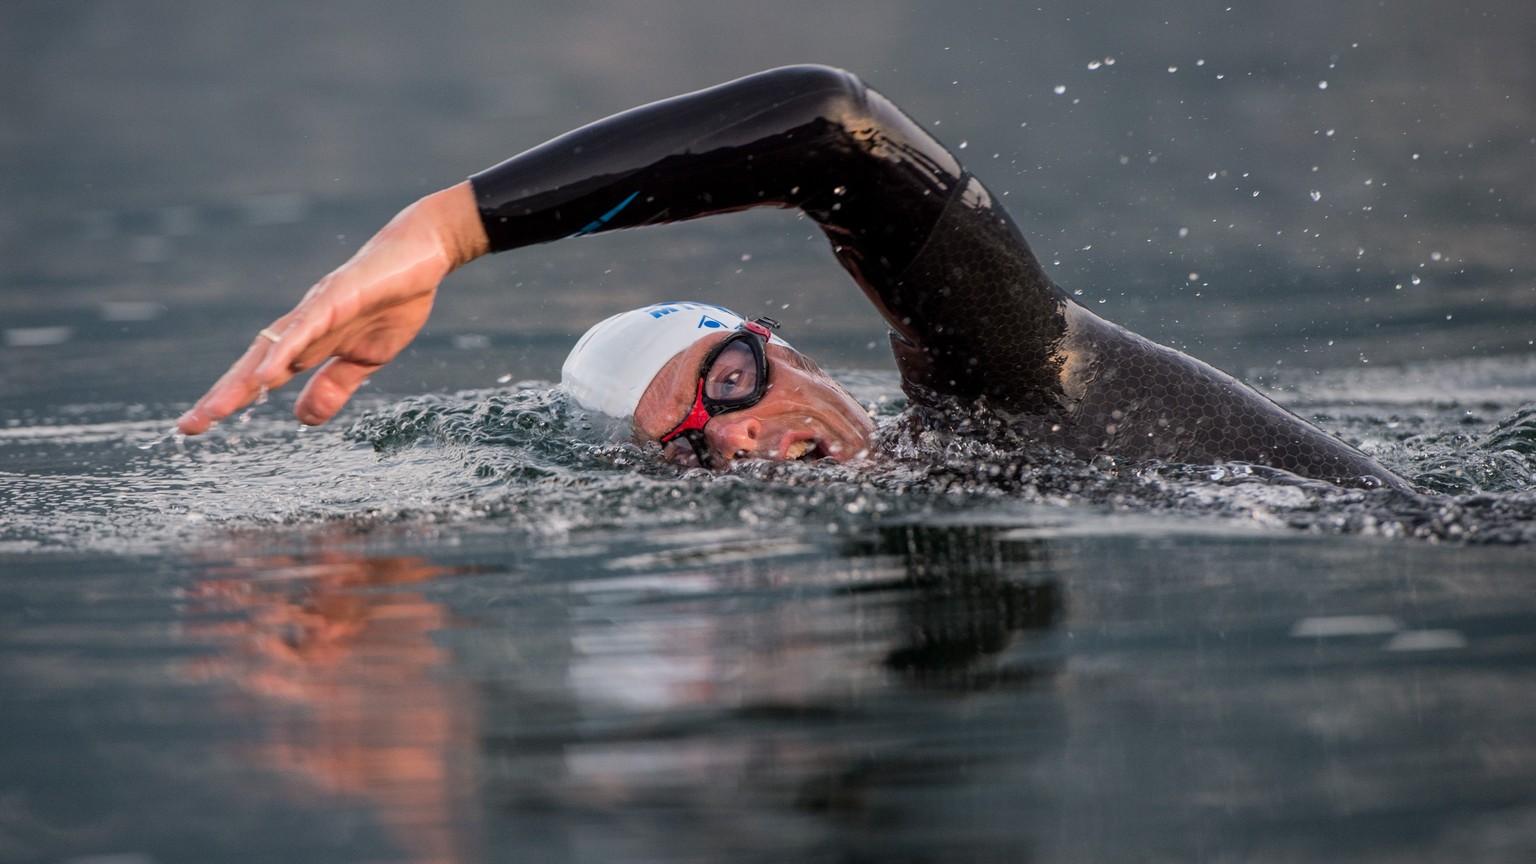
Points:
(1183, 232)
(964, 144)
(1059, 89)
(1322, 85)
(1172, 69)
(1316, 195)
(1094, 64)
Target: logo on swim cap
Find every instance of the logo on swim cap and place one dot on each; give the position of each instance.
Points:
(614, 362)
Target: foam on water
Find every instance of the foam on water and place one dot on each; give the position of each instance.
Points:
(522, 460)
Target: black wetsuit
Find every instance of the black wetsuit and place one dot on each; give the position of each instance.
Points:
(975, 320)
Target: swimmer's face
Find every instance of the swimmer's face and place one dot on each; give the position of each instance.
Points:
(804, 415)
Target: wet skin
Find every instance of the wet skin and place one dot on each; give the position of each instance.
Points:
(804, 415)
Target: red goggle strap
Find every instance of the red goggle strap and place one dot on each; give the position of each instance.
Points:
(695, 419)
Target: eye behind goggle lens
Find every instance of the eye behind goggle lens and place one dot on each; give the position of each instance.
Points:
(734, 374)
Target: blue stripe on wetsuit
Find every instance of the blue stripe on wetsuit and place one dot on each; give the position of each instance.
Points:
(598, 223)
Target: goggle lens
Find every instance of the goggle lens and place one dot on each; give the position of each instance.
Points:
(733, 376)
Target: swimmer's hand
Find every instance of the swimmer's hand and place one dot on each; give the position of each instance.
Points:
(356, 319)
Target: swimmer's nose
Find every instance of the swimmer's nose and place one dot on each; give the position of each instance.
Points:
(734, 436)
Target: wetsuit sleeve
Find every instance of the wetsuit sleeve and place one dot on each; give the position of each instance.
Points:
(903, 217)
(810, 137)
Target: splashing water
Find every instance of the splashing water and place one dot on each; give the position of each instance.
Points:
(524, 460)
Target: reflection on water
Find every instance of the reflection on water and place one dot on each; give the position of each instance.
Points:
(334, 654)
(974, 686)
(763, 704)
(726, 692)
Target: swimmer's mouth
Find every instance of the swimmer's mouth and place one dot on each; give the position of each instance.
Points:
(808, 450)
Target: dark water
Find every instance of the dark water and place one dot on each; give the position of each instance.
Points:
(453, 627)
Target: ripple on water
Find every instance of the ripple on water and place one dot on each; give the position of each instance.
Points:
(523, 460)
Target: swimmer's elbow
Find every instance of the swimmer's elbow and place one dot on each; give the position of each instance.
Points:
(874, 123)
(826, 91)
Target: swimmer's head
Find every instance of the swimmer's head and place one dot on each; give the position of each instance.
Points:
(613, 363)
(644, 367)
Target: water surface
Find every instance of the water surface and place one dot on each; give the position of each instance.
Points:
(455, 626)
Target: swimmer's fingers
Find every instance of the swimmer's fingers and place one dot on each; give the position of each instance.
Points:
(236, 389)
(305, 339)
(265, 365)
(330, 388)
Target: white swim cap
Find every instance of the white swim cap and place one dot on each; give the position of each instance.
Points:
(614, 362)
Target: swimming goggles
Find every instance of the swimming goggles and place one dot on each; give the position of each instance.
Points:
(733, 376)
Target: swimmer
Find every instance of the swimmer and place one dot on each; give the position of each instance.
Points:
(977, 327)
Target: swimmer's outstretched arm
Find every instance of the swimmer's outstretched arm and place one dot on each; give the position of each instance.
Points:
(810, 137)
(357, 318)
